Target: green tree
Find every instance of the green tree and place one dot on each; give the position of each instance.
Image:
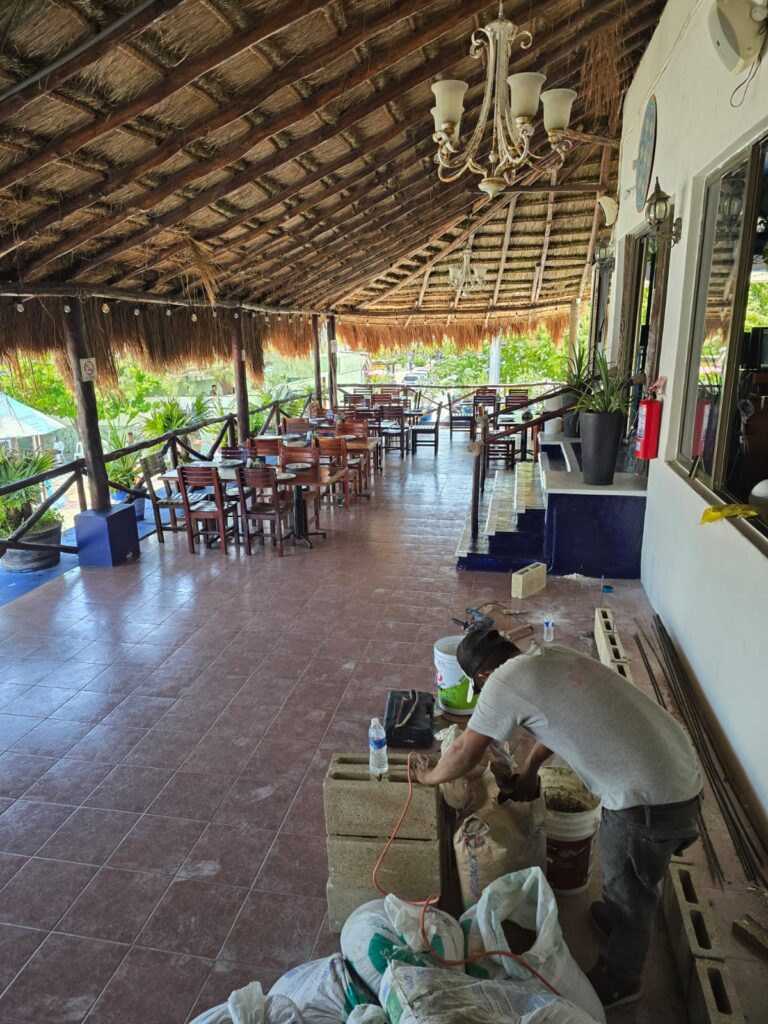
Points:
(523, 361)
(37, 382)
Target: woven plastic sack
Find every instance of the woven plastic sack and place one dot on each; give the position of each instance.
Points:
(389, 929)
(417, 995)
(324, 991)
(496, 840)
(469, 792)
(367, 1015)
(249, 1005)
(525, 899)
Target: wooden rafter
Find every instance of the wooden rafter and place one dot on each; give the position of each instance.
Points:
(605, 166)
(538, 275)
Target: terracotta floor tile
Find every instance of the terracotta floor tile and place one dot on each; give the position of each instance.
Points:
(115, 905)
(158, 749)
(27, 824)
(389, 652)
(225, 978)
(16, 947)
(328, 943)
(62, 980)
(10, 691)
(129, 788)
(262, 802)
(275, 930)
(193, 917)
(87, 706)
(41, 891)
(296, 864)
(306, 815)
(151, 986)
(68, 781)
(89, 836)
(72, 675)
(51, 738)
(38, 701)
(14, 727)
(157, 844)
(26, 670)
(10, 863)
(107, 743)
(221, 754)
(19, 771)
(136, 711)
(118, 679)
(228, 854)
(191, 795)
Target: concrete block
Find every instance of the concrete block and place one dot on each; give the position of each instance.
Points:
(529, 580)
(603, 620)
(623, 669)
(358, 805)
(712, 998)
(344, 900)
(691, 928)
(412, 868)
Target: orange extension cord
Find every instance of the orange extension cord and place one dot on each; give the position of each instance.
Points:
(430, 901)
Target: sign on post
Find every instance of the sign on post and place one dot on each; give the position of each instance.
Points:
(88, 369)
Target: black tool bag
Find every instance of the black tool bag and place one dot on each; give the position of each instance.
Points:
(408, 719)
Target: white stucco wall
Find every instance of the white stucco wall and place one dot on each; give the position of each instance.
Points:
(709, 583)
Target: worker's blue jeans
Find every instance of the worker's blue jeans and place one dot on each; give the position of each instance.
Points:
(636, 846)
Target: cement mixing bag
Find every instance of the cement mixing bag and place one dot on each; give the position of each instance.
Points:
(324, 991)
(415, 995)
(521, 909)
(472, 791)
(249, 1005)
(389, 929)
(496, 840)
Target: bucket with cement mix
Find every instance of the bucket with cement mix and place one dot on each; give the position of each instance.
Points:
(454, 689)
(571, 819)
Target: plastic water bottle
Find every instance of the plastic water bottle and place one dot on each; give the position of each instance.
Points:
(549, 627)
(377, 749)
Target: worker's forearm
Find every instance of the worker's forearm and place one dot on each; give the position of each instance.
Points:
(538, 755)
(454, 763)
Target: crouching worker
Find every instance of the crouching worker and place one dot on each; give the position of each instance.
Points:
(622, 745)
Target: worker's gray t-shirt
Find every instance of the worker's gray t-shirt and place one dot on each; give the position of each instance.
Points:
(623, 746)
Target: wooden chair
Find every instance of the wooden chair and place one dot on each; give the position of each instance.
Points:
(515, 398)
(343, 469)
(308, 457)
(216, 508)
(359, 428)
(153, 466)
(393, 428)
(267, 448)
(427, 433)
(351, 401)
(295, 425)
(262, 500)
(458, 419)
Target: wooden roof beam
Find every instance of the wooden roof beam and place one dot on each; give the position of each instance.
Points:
(605, 167)
(538, 274)
(84, 53)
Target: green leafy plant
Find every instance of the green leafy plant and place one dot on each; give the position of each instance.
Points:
(577, 375)
(606, 393)
(171, 415)
(17, 507)
(125, 471)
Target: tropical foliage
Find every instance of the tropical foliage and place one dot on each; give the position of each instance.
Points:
(17, 507)
(607, 392)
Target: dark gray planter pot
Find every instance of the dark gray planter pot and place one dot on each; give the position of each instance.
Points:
(600, 441)
(32, 561)
(571, 424)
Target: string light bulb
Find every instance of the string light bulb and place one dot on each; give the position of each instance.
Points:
(105, 307)
(168, 311)
(194, 318)
(136, 311)
(67, 308)
(19, 306)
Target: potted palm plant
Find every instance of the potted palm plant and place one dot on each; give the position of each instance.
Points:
(123, 472)
(17, 507)
(578, 379)
(602, 412)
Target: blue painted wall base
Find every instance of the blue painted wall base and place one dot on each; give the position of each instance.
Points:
(594, 535)
(107, 538)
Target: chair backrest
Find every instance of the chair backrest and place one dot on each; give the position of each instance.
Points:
(515, 398)
(295, 425)
(266, 446)
(309, 456)
(334, 449)
(392, 412)
(238, 452)
(193, 477)
(152, 465)
(390, 389)
(352, 400)
(357, 427)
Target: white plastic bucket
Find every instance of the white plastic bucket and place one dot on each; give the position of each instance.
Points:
(454, 689)
(571, 834)
(554, 426)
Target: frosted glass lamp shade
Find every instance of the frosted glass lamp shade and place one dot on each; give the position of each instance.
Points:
(557, 108)
(449, 101)
(524, 92)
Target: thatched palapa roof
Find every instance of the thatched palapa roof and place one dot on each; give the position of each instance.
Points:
(279, 155)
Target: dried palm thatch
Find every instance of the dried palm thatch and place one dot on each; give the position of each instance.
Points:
(602, 74)
(203, 268)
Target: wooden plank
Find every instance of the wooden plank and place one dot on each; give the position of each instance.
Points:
(241, 379)
(605, 167)
(316, 357)
(538, 276)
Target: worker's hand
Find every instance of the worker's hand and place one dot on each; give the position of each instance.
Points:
(422, 769)
(526, 784)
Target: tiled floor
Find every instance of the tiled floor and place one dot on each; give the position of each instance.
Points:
(164, 732)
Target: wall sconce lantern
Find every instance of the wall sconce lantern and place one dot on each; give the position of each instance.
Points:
(657, 211)
(604, 256)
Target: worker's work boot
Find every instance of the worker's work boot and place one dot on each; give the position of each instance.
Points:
(602, 917)
(611, 990)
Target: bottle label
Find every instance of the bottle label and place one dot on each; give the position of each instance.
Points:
(377, 744)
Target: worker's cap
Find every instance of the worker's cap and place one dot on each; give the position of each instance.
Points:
(482, 646)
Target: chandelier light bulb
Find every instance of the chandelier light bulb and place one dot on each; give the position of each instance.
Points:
(557, 104)
(524, 92)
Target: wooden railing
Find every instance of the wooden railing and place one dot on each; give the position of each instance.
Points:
(173, 443)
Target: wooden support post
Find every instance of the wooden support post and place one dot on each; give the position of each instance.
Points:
(332, 363)
(241, 379)
(87, 413)
(316, 357)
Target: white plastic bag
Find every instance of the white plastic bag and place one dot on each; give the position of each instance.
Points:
(417, 995)
(389, 929)
(249, 1005)
(526, 899)
(324, 991)
(496, 840)
(367, 1015)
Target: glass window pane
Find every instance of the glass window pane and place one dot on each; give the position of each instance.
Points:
(715, 300)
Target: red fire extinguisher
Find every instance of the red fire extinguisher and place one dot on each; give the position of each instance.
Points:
(648, 427)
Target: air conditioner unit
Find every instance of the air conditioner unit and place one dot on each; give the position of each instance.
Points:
(737, 30)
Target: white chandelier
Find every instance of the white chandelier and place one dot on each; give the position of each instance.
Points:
(465, 278)
(515, 101)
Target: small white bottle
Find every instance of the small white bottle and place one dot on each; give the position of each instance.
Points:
(549, 627)
(377, 749)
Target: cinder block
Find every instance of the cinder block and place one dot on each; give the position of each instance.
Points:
(622, 667)
(411, 869)
(358, 805)
(343, 901)
(691, 928)
(712, 998)
(529, 580)
(603, 620)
